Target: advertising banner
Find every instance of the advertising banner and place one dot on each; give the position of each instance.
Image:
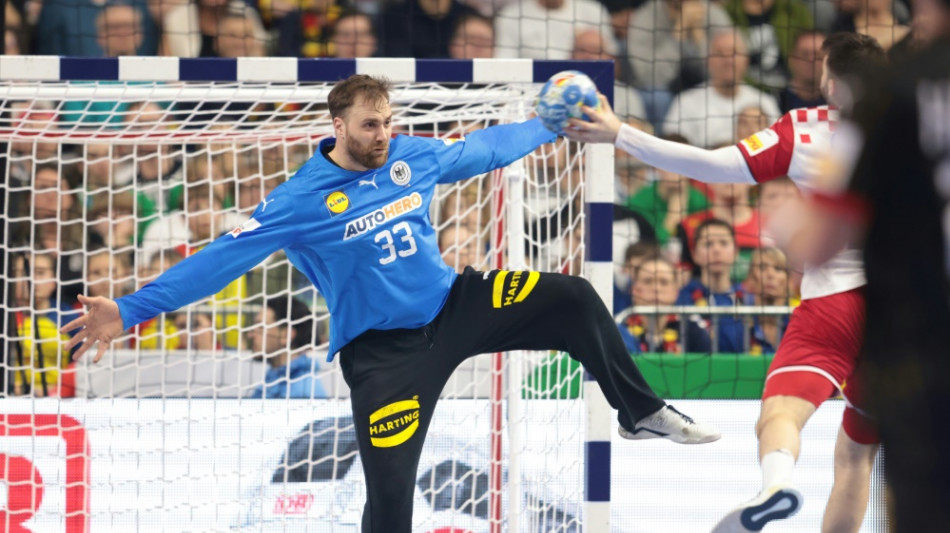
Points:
(264, 465)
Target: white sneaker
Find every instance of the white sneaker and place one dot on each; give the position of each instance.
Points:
(668, 423)
(774, 503)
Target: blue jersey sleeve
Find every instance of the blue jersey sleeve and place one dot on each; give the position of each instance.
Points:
(490, 148)
(270, 228)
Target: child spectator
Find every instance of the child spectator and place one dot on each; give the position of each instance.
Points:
(656, 285)
(715, 254)
(633, 256)
(731, 204)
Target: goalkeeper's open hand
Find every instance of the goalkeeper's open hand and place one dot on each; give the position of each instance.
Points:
(603, 126)
(101, 322)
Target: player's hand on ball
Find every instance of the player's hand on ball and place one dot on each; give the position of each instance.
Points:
(562, 98)
(101, 322)
(602, 127)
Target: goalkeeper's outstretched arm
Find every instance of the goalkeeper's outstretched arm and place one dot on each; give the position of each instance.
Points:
(198, 276)
(723, 165)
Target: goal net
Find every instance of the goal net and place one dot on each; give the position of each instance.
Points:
(110, 182)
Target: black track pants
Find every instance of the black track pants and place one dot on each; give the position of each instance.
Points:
(396, 376)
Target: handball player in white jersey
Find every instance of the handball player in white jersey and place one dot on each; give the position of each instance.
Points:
(820, 350)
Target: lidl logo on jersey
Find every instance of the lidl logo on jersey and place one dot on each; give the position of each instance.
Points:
(337, 202)
(759, 142)
(504, 294)
(382, 215)
(250, 225)
(394, 424)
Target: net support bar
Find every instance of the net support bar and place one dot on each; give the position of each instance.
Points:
(515, 181)
(599, 227)
(290, 70)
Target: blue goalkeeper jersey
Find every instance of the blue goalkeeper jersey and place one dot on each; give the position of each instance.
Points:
(364, 239)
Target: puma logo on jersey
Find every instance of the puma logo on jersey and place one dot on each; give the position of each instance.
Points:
(265, 202)
(370, 182)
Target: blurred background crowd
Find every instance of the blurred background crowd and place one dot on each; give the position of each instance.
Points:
(104, 219)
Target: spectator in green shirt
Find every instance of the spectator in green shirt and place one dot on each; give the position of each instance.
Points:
(669, 199)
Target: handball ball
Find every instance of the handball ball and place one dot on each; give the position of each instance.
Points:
(561, 99)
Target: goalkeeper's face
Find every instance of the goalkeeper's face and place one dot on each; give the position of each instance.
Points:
(366, 130)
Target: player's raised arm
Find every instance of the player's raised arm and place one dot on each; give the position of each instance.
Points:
(723, 165)
(198, 276)
(490, 148)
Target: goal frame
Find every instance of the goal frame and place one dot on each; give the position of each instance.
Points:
(598, 190)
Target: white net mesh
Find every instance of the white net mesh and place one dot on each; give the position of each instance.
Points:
(109, 184)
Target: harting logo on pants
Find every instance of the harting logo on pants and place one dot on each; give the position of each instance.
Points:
(394, 424)
(506, 294)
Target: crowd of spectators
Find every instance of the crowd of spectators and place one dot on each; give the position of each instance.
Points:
(103, 219)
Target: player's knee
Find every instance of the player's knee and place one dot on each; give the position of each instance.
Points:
(770, 417)
(581, 297)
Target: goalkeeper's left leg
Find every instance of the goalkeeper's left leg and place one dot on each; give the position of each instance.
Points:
(501, 310)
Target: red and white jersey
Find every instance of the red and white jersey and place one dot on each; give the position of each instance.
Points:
(797, 146)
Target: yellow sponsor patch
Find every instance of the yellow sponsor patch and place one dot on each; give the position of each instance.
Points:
(761, 141)
(337, 202)
(394, 424)
(505, 294)
(753, 143)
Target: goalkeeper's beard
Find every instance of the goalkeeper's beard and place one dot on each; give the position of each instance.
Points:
(368, 156)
